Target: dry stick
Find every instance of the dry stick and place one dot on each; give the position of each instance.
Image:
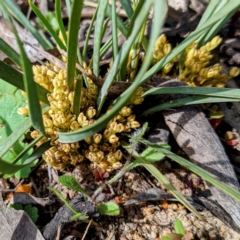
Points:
(86, 231)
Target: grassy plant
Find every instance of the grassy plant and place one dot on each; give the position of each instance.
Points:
(77, 111)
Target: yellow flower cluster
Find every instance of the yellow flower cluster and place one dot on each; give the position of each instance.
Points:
(101, 148)
(193, 66)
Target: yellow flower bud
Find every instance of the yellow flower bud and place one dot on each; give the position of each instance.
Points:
(103, 165)
(113, 138)
(91, 112)
(235, 71)
(117, 165)
(118, 155)
(81, 118)
(191, 53)
(97, 138)
(215, 42)
(125, 111)
(35, 134)
(88, 140)
(158, 55)
(74, 125)
(161, 40)
(196, 67)
(93, 148)
(167, 68)
(23, 111)
(47, 123)
(85, 124)
(131, 118)
(61, 76)
(137, 101)
(134, 124)
(107, 133)
(51, 74)
(189, 62)
(44, 70)
(110, 158)
(58, 155)
(167, 48)
(36, 70)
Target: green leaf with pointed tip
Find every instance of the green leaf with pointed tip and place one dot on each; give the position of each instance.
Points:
(71, 183)
(108, 208)
(152, 155)
(72, 45)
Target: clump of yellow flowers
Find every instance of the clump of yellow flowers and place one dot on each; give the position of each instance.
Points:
(102, 149)
(193, 66)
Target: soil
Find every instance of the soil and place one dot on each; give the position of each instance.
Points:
(142, 215)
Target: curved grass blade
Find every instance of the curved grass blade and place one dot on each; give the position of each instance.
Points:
(122, 100)
(12, 76)
(35, 111)
(63, 199)
(13, 9)
(127, 7)
(74, 24)
(230, 6)
(161, 178)
(98, 36)
(10, 52)
(234, 193)
(85, 48)
(47, 25)
(14, 136)
(189, 101)
(114, 30)
(204, 91)
(69, 7)
(25, 150)
(9, 168)
(59, 20)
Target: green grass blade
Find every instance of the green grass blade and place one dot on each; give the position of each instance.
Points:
(230, 6)
(14, 136)
(69, 7)
(234, 193)
(122, 100)
(9, 168)
(189, 101)
(10, 52)
(74, 24)
(85, 48)
(63, 199)
(204, 91)
(13, 9)
(47, 25)
(161, 178)
(77, 96)
(35, 111)
(208, 12)
(59, 20)
(26, 149)
(12, 76)
(98, 36)
(126, 4)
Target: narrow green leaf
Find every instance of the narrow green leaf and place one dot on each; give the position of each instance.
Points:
(63, 199)
(12, 76)
(97, 36)
(108, 208)
(114, 30)
(59, 20)
(178, 226)
(13, 9)
(77, 96)
(10, 52)
(189, 101)
(161, 178)
(15, 135)
(85, 48)
(8, 168)
(204, 91)
(71, 183)
(234, 193)
(69, 7)
(35, 111)
(74, 24)
(126, 4)
(47, 25)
